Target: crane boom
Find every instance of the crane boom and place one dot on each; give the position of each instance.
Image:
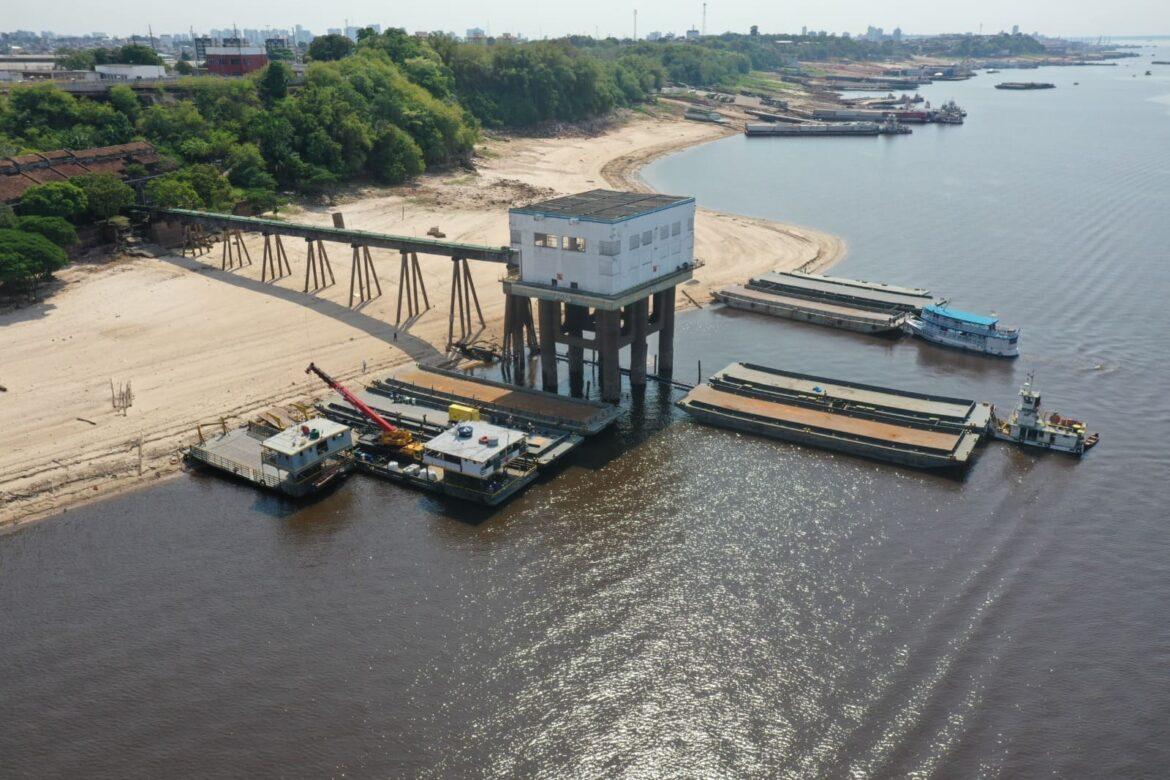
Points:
(356, 402)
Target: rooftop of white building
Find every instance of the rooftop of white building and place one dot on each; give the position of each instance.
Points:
(602, 205)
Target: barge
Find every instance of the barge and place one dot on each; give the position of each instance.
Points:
(297, 461)
(859, 320)
(815, 130)
(1025, 85)
(862, 420)
(849, 292)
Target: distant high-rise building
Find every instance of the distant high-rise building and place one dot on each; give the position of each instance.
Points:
(692, 34)
(803, 31)
(475, 35)
(897, 34)
(654, 36)
(1015, 29)
(202, 44)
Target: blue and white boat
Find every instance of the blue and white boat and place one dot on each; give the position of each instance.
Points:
(973, 332)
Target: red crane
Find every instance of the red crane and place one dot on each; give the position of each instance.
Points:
(390, 434)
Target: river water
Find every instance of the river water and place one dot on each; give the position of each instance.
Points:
(680, 600)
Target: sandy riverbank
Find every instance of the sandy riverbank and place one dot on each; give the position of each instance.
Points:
(199, 344)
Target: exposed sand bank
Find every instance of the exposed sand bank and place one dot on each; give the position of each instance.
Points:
(200, 344)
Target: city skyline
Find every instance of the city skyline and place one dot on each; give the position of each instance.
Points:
(1074, 19)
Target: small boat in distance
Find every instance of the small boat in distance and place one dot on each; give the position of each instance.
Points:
(1025, 85)
(963, 330)
(1029, 425)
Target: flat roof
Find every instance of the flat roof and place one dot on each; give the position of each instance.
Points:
(291, 440)
(602, 205)
(449, 442)
(964, 316)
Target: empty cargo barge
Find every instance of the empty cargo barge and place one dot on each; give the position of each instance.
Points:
(910, 429)
(851, 292)
(834, 315)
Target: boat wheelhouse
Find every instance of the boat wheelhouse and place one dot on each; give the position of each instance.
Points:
(974, 332)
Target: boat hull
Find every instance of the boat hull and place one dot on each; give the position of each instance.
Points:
(968, 342)
(801, 314)
(791, 433)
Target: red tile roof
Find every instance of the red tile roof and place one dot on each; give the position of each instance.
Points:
(19, 173)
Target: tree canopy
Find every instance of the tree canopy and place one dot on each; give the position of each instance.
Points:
(54, 199)
(26, 257)
(326, 48)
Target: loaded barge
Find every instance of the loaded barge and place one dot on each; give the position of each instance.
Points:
(910, 429)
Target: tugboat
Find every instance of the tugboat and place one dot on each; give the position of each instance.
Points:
(972, 332)
(949, 113)
(1031, 426)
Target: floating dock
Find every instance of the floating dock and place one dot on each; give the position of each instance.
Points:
(850, 292)
(911, 429)
(834, 315)
(298, 461)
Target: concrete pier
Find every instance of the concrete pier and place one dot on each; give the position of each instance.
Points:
(664, 314)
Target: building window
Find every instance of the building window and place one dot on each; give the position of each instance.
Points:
(675, 228)
(664, 231)
(573, 244)
(515, 236)
(546, 240)
(648, 237)
(691, 225)
(634, 241)
(609, 248)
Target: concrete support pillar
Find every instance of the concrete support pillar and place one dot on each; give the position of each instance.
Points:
(514, 335)
(549, 314)
(664, 310)
(640, 313)
(574, 322)
(608, 328)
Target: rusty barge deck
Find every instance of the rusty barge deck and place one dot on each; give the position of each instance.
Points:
(910, 429)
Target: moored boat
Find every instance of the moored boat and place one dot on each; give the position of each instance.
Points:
(1031, 426)
(973, 332)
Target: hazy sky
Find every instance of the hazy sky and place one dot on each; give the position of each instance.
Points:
(605, 17)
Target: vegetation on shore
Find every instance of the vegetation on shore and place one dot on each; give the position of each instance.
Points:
(384, 108)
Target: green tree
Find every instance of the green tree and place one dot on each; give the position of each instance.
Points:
(171, 192)
(395, 157)
(27, 257)
(105, 194)
(247, 168)
(8, 219)
(326, 48)
(213, 189)
(75, 59)
(184, 68)
(125, 102)
(54, 199)
(56, 229)
(273, 83)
